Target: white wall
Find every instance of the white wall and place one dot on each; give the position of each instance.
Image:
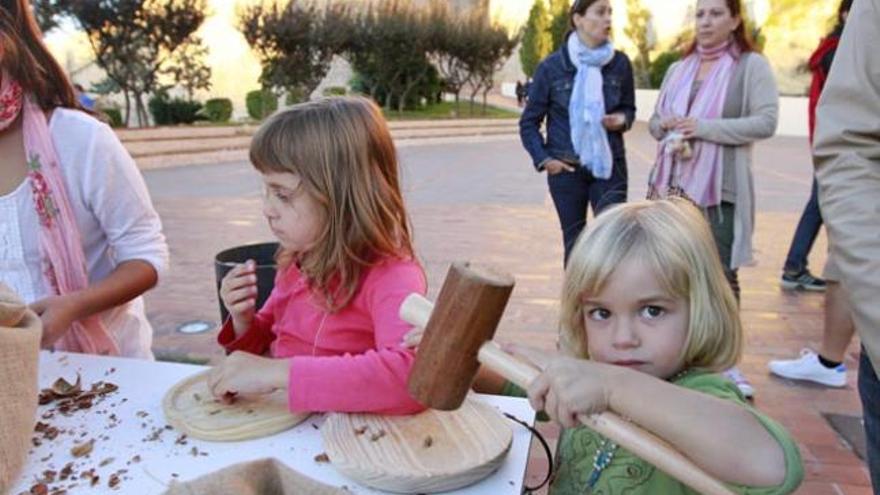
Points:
(792, 112)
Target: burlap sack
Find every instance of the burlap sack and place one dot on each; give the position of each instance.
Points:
(262, 477)
(19, 353)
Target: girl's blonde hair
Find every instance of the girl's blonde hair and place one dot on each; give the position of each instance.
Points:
(343, 153)
(672, 237)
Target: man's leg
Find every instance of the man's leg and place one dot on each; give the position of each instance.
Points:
(839, 326)
(826, 367)
(795, 273)
(869, 391)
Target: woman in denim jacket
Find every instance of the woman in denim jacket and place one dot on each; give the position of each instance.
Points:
(585, 92)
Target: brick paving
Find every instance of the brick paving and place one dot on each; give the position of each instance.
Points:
(478, 199)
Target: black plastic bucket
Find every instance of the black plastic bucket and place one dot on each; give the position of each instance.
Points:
(263, 254)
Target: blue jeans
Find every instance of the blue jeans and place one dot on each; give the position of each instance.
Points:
(805, 234)
(572, 192)
(869, 391)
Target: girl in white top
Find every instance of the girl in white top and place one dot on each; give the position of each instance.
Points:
(79, 237)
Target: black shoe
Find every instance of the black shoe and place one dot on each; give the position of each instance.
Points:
(802, 281)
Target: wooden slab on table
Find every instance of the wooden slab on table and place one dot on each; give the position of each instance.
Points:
(428, 452)
(191, 408)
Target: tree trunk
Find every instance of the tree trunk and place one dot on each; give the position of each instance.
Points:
(140, 110)
(127, 107)
(485, 93)
(474, 92)
(409, 87)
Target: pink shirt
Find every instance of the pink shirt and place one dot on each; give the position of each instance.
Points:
(348, 361)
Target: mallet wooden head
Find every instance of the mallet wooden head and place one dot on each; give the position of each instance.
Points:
(465, 316)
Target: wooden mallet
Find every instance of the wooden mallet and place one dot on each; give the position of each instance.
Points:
(458, 337)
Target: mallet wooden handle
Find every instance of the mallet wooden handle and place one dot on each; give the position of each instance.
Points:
(416, 310)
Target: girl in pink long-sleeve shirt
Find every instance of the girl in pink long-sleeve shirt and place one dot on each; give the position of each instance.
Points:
(331, 325)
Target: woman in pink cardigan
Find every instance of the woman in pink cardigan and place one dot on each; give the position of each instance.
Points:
(330, 327)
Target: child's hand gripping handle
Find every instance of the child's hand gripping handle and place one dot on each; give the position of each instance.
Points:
(416, 310)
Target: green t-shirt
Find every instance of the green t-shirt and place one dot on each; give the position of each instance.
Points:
(628, 474)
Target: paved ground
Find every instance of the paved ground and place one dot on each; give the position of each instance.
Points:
(479, 199)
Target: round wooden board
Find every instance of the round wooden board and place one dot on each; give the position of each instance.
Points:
(433, 451)
(191, 408)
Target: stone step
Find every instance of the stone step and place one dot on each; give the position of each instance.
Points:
(184, 133)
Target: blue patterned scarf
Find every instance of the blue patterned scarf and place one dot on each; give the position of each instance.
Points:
(587, 106)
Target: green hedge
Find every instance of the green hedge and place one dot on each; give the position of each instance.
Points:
(335, 91)
(114, 116)
(660, 65)
(218, 109)
(261, 103)
(173, 111)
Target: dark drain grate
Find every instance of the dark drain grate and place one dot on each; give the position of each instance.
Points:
(851, 429)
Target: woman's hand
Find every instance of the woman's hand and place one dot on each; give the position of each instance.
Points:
(554, 166)
(614, 122)
(57, 314)
(669, 123)
(570, 387)
(246, 374)
(687, 127)
(238, 291)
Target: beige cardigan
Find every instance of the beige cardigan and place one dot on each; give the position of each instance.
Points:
(847, 158)
(753, 87)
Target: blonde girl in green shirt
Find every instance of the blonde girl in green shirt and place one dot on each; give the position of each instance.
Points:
(647, 319)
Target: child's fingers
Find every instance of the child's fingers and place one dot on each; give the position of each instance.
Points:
(236, 296)
(414, 337)
(241, 280)
(537, 392)
(243, 306)
(239, 271)
(566, 417)
(551, 405)
(215, 378)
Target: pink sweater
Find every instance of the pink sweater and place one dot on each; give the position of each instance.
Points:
(348, 361)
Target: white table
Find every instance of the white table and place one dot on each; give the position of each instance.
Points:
(137, 407)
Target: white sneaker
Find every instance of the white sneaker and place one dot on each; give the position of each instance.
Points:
(736, 376)
(808, 367)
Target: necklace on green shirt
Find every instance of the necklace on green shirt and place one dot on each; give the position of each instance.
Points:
(605, 452)
(603, 457)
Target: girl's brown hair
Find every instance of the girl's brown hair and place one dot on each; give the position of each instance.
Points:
(342, 151)
(24, 56)
(741, 36)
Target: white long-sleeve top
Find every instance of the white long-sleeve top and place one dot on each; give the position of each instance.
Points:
(114, 213)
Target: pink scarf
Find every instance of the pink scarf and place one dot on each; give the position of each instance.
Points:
(64, 265)
(699, 175)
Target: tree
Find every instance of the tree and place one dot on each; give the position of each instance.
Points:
(47, 13)
(450, 50)
(490, 47)
(560, 22)
(638, 30)
(535, 39)
(388, 49)
(188, 69)
(134, 40)
(295, 42)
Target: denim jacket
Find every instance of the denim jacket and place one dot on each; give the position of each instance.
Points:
(549, 96)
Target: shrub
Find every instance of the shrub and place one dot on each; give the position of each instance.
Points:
(218, 109)
(173, 111)
(294, 96)
(335, 91)
(660, 65)
(261, 103)
(114, 116)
